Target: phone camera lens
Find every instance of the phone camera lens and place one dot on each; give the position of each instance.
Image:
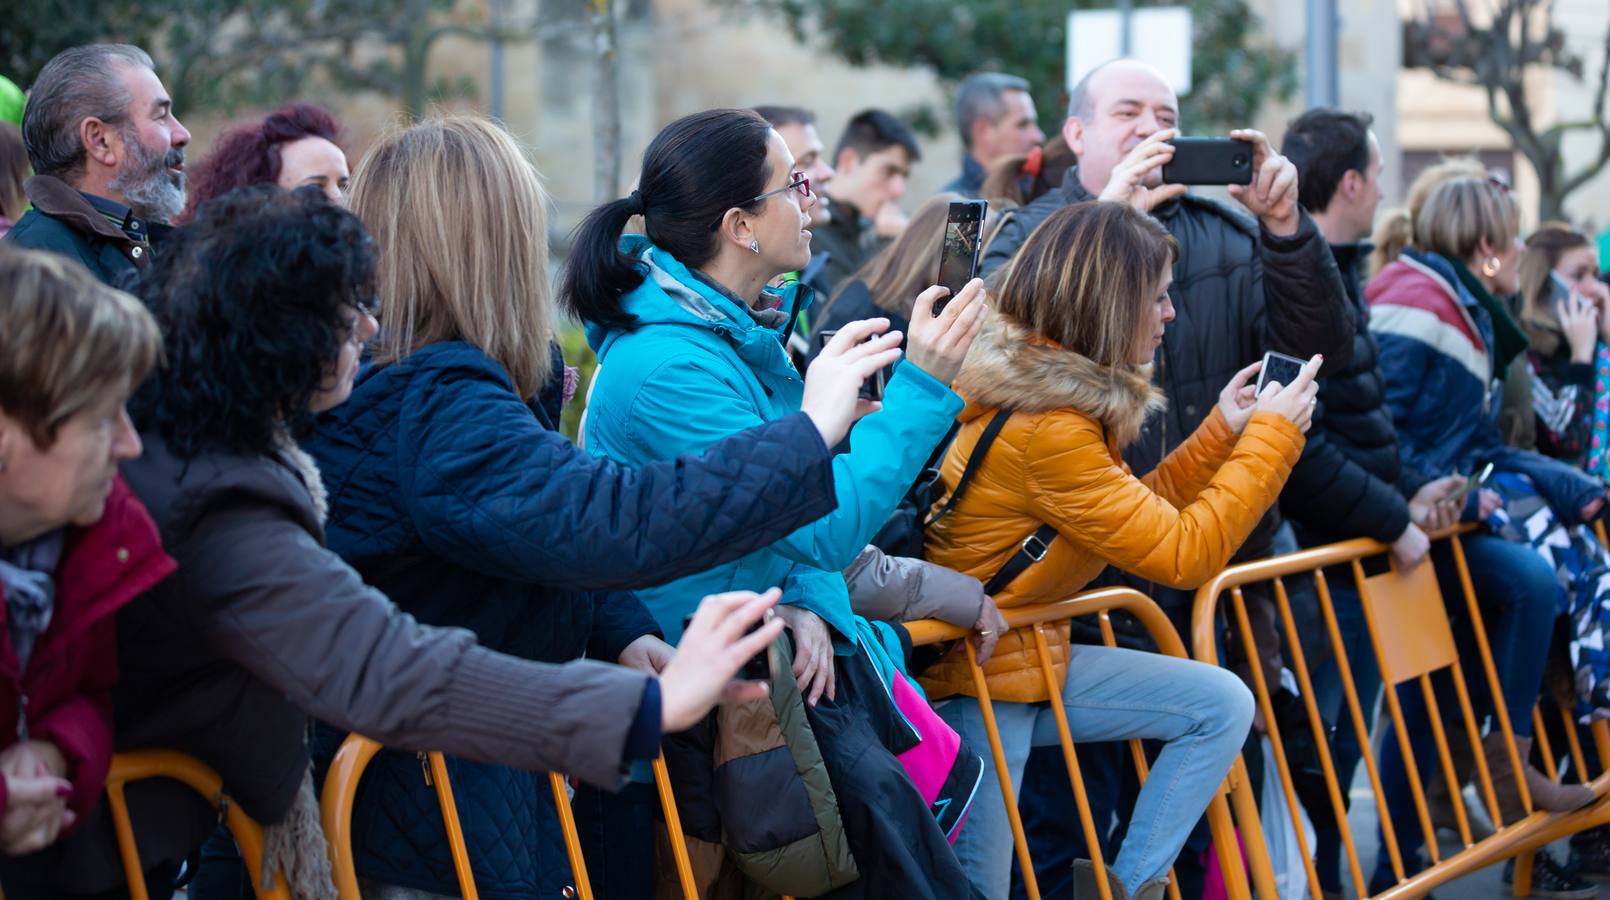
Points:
(1238, 160)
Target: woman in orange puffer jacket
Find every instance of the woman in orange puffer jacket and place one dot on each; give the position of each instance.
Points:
(1078, 317)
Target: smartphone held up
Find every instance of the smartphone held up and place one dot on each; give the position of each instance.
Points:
(872, 388)
(1209, 160)
(958, 257)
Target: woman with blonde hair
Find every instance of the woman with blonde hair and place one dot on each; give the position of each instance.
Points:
(450, 488)
(1057, 384)
(1445, 332)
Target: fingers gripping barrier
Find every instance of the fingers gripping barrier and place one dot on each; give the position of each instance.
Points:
(140, 765)
(1411, 638)
(1035, 619)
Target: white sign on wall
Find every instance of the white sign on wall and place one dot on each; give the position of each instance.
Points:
(1159, 36)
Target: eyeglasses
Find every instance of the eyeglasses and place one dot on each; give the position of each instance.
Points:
(798, 182)
(1497, 182)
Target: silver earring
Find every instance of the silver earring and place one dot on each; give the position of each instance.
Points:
(754, 246)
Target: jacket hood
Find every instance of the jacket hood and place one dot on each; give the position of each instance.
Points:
(1011, 366)
(179, 493)
(672, 294)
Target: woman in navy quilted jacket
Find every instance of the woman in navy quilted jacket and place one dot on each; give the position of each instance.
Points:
(451, 490)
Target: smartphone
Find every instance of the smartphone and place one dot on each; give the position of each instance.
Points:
(757, 667)
(1559, 289)
(872, 388)
(1209, 160)
(1278, 367)
(958, 258)
(1471, 484)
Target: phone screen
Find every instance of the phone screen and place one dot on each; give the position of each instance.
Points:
(958, 259)
(1280, 368)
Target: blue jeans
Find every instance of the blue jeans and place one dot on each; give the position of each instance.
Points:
(1520, 599)
(1201, 712)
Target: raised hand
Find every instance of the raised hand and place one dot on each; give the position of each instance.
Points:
(1272, 195)
(1125, 185)
(833, 383)
(713, 648)
(938, 344)
(1239, 397)
(1579, 319)
(1295, 401)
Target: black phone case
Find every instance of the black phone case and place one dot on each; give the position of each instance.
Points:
(975, 211)
(1209, 160)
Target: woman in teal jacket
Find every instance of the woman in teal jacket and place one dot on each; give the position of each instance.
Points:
(692, 347)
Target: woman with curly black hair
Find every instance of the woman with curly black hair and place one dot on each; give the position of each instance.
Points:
(263, 302)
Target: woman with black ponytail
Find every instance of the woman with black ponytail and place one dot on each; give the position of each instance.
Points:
(692, 347)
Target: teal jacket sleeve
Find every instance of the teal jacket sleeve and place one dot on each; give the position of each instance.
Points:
(889, 446)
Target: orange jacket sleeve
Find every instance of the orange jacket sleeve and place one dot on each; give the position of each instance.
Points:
(1182, 475)
(1089, 497)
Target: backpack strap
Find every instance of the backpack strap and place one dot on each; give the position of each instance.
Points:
(1034, 547)
(980, 450)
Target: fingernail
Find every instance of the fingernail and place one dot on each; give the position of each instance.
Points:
(63, 790)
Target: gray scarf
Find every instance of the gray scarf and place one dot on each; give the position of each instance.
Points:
(28, 575)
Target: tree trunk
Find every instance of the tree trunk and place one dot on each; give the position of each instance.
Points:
(416, 55)
(606, 102)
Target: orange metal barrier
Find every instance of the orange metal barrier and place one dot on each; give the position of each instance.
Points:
(1099, 603)
(191, 772)
(341, 792)
(1411, 638)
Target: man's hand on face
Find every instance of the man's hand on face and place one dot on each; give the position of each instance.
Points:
(1272, 195)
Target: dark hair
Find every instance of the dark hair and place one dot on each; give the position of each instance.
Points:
(77, 84)
(253, 301)
(696, 169)
(250, 154)
(779, 116)
(1325, 144)
(980, 97)
(871, 130)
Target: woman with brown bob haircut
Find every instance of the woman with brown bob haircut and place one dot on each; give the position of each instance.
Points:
(1056, 385)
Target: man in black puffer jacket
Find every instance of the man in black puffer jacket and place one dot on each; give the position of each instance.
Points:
(1242, 285)
(1346, 483)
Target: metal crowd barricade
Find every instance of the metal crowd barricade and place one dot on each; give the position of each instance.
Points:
(140, 765)
(1098, 603)
(1412, 638)
(341, 791)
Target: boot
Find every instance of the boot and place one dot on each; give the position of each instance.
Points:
(1546, 795)
(1440, 799)
(1085, 888)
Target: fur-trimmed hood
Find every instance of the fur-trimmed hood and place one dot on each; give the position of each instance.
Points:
(1010, 365)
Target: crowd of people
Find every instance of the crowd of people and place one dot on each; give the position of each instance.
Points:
(280, 462)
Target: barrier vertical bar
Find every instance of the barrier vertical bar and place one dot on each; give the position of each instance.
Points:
(1500, 709)
(1577, 758)
(1484, 775)
(1395, 709)
(1081, 797)
(1031, 885)
(1316, 724)
(567, 824)
(1450, 775)
(1272, 731)
(1355, 709)
(673, 829)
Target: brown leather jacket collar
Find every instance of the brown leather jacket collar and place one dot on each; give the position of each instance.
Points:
(61, 201)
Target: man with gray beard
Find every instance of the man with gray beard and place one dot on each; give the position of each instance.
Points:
(108, 158)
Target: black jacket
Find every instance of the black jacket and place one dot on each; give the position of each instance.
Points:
(1345, 485)
(1238, 291)
(63, 221)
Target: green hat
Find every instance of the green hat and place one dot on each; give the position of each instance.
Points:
(11, 100)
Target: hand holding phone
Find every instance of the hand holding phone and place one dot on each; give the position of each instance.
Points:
(1209, 160)
(1472, 483)
(872, 388)
(958, 257)
(1279, 368)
